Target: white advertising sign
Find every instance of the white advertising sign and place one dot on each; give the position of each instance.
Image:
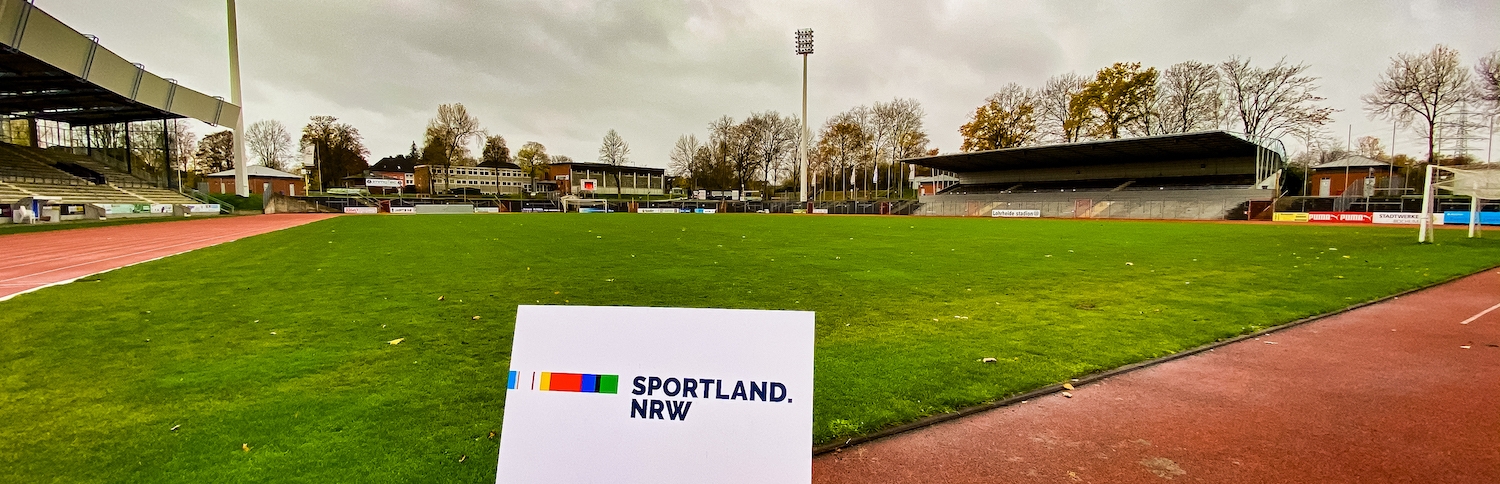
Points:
(403, 210)
(1016, 213)
(361, 210)
(161, 208)
(656, 210)
(486, 209)
(660, 395)
(1399, 218)
(201, 207)
(382, 183)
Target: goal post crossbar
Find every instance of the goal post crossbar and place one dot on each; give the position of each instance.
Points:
(1478, 185)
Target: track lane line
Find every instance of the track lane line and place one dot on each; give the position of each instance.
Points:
(1481, 314)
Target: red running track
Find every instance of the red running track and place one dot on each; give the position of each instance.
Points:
(1406, 390)
(32, 261)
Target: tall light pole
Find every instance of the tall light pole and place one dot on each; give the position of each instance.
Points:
(241, 178)
(804, 47)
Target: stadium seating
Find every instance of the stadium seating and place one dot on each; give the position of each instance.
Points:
(29, 171)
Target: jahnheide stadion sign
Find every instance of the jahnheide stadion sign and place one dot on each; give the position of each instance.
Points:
(660, 395)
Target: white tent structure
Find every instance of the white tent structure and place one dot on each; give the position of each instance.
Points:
(1478, 183)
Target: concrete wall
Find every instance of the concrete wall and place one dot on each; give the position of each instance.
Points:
(1208, 204)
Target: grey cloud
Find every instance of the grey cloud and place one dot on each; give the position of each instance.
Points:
(564, 72)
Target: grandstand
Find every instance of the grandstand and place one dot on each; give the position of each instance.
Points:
(1201, 176)
(58, 88)
(28, 172)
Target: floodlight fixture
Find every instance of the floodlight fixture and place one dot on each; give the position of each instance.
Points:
(804, 41)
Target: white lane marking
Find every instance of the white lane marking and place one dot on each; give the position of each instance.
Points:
(1481, 313)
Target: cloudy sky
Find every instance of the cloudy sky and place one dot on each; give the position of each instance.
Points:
(563, 72)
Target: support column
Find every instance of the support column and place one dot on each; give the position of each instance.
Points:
(129, 151)
(241, 179)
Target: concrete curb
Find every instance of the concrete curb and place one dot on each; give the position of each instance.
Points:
(1084, 380)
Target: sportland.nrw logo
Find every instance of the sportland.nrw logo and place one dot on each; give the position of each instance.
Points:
(682, 391)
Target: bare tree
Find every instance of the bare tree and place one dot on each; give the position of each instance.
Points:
(681, 160)
(842, 147)
(775, 137)
(614, 150)
(1188, 98)
(449, 134)
(903, 136)
(1005, 120)
(1057, 118)
(270, 142)
(1488, 71)
(1424, 85)
(1268, 103)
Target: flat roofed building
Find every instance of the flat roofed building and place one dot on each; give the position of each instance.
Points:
(1356, 175)
(262, 180)
(505, 179)
(603, 179)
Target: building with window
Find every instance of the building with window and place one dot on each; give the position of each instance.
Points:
(395, 168)
(1359, 176)
(589, 179)
(262, 180)
(504, 179)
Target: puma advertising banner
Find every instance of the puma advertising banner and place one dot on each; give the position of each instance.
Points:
(659, 395)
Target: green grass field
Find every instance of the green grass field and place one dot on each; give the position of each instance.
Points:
(279, 342)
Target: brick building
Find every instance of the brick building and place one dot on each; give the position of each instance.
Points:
(1357, 174)
(262, 179)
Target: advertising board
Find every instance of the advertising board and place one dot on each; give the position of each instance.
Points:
(660, 395)
(1289, 217)
(1340, 217)
(1016, 213)
(361, 210)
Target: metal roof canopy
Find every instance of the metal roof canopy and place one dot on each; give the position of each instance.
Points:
(32, 88)
(50, 71)
(1201, 145)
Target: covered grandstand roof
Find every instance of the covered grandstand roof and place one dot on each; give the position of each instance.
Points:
(1207, 144)
(50, 71)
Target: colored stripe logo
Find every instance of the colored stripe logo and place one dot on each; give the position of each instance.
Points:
(568, 382)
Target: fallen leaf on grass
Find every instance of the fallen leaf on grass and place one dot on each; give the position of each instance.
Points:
(987, 360)
(175, 427)
(1068, 386)
(464, 457)
(396, 341)
(476, 318)
(245, 447)
(440, 298)
(492, 435)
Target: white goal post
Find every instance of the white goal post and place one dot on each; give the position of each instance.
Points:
(1479, 184)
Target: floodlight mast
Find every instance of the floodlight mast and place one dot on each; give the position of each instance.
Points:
(804, 47)
(241, 177)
